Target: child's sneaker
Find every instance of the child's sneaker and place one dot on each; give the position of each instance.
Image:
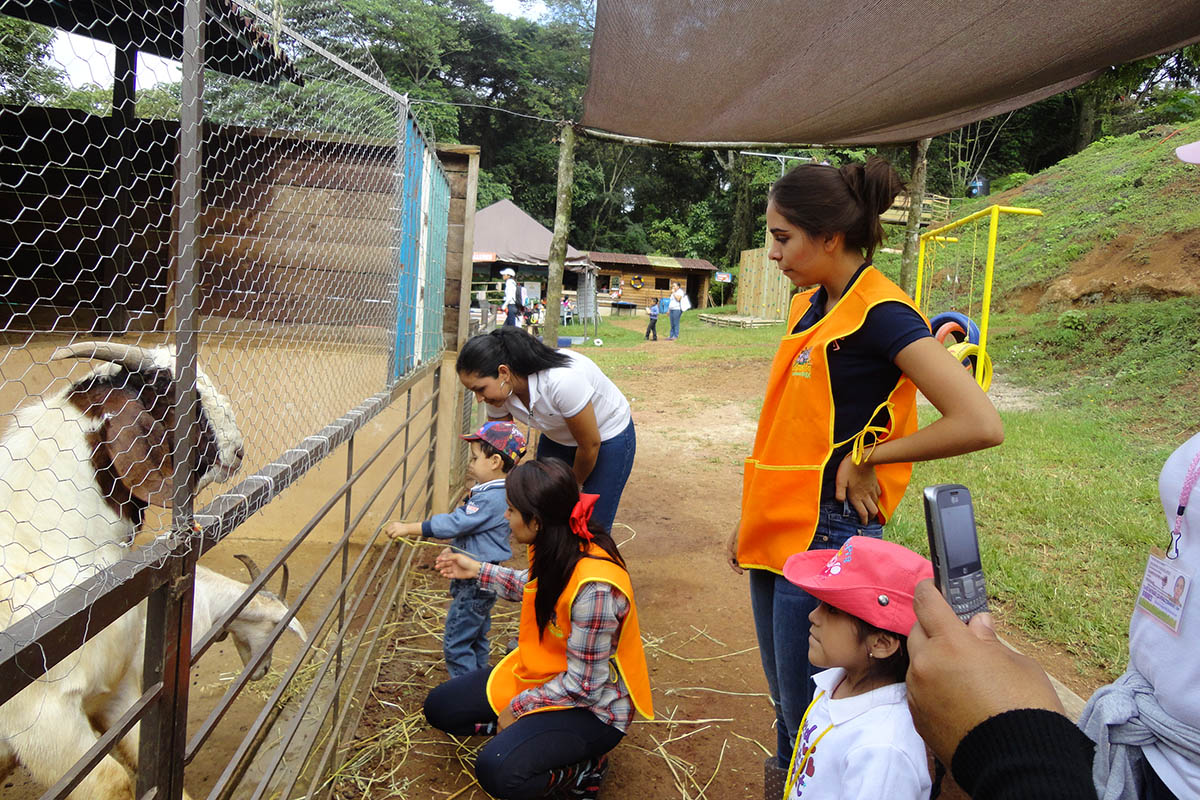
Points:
(586, 785)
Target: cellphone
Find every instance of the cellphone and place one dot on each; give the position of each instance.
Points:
(954, 548)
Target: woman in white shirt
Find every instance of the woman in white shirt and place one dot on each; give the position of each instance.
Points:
(584, 418)
(675, 309)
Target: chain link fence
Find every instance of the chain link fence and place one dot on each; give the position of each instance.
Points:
(215, 276)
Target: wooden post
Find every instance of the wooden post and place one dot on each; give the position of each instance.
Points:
(912, 231)
(114, 297)
(562, 222)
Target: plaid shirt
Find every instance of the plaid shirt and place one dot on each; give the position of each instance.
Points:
(589, 682)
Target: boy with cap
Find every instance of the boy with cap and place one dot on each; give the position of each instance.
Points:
(479, 529)
(857, 738)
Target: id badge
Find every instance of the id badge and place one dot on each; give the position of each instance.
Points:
(1164, 591)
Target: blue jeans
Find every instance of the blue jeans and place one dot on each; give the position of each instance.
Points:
(516, 762)
(513, 315)
(781, 612)
(675, 313)
(613, 465)
(465, 643)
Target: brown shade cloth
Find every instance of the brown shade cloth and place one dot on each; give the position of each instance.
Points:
(506, 233)
(853, 71)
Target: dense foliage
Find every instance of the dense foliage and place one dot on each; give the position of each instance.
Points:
(460, 61)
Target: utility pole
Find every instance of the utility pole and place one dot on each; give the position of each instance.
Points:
(562, 222)
(912, 231)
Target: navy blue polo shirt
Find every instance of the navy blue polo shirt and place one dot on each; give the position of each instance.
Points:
(862, 369)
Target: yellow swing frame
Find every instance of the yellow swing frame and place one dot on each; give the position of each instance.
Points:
(983, 371)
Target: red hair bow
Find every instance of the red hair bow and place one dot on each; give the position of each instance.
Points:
(581, 514)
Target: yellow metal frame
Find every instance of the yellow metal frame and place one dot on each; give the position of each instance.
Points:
(938, 236)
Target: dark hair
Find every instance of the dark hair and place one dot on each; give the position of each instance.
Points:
(824, 200)
(894, 668)
(524, 355)
(488, 449)
(546, 491)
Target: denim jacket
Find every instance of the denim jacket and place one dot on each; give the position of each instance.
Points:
(478, 526)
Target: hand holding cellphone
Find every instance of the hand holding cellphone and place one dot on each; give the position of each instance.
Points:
(954, 548)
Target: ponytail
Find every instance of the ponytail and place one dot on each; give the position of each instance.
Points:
(524, 355)
(546, 491)
(823, 200)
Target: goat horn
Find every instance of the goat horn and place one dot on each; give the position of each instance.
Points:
(133, 358)
(283, 585)
(251, 567)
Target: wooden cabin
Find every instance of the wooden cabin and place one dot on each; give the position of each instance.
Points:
(644, 279)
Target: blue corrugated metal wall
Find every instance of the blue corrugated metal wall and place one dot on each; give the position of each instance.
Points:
(417, 299)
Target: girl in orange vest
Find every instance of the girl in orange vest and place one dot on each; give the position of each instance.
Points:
(838, 430)
(565, 697)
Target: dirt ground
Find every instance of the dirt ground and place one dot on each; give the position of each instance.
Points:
(714, 722)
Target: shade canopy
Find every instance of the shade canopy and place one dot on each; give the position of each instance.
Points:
(853, 71)
(505, 233)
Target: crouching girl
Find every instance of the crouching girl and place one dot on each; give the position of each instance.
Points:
(565, 697)
(857, 739)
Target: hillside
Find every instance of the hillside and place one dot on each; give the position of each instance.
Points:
(1096, 301)
(1122, 222)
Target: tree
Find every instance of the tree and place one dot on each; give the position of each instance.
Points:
(26, 74)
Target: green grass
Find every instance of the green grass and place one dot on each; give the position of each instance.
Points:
(1137, 362)
(1067, 509)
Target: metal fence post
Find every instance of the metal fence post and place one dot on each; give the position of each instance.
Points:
(169, 617)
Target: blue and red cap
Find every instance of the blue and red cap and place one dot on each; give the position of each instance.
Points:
(504, 436)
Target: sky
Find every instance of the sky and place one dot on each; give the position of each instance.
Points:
(90, 61)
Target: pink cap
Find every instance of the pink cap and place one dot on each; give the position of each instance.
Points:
(1189, 152)
(872, 579)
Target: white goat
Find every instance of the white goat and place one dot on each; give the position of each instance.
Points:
(77, 470)
(252, 627)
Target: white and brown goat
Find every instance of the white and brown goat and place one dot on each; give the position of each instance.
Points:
(78, 467)
(251, 628)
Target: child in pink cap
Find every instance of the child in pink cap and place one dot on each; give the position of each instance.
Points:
(857, 739)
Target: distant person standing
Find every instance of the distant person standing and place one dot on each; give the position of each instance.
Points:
(675, 308)
(652, 325)
(512, 297)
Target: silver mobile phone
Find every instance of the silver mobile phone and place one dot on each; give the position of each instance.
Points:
(954, 548)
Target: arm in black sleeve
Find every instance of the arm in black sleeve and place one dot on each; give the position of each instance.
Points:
(1027, 754)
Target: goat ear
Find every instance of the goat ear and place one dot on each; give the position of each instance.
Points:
(139, 446)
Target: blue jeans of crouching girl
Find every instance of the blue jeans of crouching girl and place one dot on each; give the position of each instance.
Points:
(781, 612)
(465, 642)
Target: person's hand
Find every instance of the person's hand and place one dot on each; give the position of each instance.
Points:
(961, 675)
(456, 565)
(858, 484)
(398, 530)
(505, 719)
(731, 550)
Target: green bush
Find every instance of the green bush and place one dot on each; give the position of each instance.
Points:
(1010, 180)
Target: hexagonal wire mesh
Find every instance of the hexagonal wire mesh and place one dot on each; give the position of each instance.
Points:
(296, 239)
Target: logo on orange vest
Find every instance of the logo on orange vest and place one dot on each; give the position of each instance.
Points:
(802, 366)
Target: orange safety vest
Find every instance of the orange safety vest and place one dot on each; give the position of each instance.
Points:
(781, 482)
(537, 660)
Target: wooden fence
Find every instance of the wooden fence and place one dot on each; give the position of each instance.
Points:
(763, 292)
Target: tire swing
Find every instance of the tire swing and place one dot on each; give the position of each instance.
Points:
(956, 324)
(968, 354)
